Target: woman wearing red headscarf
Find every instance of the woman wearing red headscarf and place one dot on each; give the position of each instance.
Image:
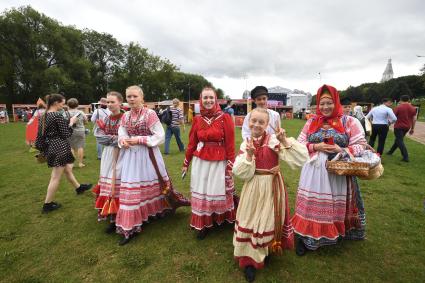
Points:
(328, 206)
(212, 147)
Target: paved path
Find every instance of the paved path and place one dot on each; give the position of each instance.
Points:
(419, 134)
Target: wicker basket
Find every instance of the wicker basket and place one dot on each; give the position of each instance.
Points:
(374, 173)
(347, 168)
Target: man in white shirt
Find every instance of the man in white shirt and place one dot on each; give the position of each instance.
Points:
(260, 95)
(99, 114)
(381, 118)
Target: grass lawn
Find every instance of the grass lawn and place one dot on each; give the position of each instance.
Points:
(69, 245)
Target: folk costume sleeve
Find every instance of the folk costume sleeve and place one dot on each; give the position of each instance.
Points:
(157, 137)
(193, 142)
(295, 155)
(356, 136)
(243, 169)
(155, 126)
(122, 131)
(229, 141)
(302, 138)
(101, 136)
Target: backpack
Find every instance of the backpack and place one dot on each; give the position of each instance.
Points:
(167, 116)
(229, 110)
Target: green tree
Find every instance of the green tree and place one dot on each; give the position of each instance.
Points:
(105, 54)
(40, 56)
(400, 89)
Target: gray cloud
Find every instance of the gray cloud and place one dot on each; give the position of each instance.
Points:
(292, 40)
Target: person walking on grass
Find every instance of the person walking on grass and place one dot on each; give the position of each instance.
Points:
(174, 128)
(381, 118)
(406, 120)
(99, 114)
(52, 141)
(78, 137)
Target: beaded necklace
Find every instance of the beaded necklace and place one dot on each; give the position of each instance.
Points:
(132, 122)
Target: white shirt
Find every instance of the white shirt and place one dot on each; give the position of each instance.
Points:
(274, 120)
(381, 115)
(100, 114)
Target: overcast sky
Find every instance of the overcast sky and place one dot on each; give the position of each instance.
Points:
(240, 44)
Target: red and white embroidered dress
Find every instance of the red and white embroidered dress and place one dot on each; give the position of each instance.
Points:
(106, 133)
(329, 206)
(140, 192)
(254, 231)
(211, 150)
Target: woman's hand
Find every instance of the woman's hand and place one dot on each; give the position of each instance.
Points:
(184, 170)
(132, 141)
(336, 148)
(328, 148)
(124, 143)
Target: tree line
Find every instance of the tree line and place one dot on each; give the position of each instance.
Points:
(414, 86)
(39, 55)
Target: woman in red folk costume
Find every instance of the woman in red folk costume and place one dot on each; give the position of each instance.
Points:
(211, 145)
(108, 187)
(328, 206)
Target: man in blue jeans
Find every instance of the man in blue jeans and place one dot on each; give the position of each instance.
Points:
(174, 128)
(406, 120)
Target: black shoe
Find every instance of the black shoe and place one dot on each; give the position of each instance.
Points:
(47, 207)
(124, 241)
(202, 234)
(389, 153)
(300, 248)
(405, 160)
(250, 273)
(82, 188)
(111, 228)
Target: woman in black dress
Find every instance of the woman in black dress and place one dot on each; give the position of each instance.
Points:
(52, 141)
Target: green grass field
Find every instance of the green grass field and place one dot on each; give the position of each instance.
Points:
(69, 245)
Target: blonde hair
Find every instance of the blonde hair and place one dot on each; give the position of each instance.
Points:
(176, 101)
(136, 88)
(260, 110)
